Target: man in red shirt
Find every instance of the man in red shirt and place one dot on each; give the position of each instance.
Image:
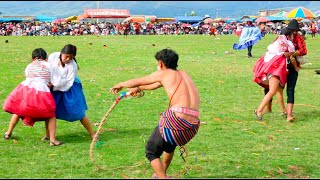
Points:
(212, 31)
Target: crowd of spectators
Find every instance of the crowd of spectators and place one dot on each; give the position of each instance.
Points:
(108, 28)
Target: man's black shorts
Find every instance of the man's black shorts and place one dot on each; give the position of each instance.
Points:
(156, 145)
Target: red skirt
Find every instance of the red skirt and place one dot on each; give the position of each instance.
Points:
(277, 66)
(32, 101)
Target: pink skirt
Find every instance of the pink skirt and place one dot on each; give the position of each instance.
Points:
(277, 66)
(32, 100)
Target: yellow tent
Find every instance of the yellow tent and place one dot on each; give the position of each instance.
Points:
(72, 18)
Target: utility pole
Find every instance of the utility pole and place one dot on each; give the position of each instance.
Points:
(98, 4)
(217, 13)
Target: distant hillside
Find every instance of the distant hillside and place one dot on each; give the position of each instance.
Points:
(157, 8)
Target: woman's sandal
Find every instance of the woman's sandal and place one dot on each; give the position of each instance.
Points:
(291, 119)
(154, 176)
(45, 138)
(7, 136)
(284, 114)
(259, 118)
(55, 144)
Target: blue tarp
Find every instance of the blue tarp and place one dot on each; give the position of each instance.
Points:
(277, 18)
(10, 19)
(36, 18)
(190, 19)
(45, 18)
(233, 19)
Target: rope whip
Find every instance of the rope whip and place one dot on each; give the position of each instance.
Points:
(183, 149)
(93, 142)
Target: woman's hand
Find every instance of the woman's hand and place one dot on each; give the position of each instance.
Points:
(50, 85)
(287, 54)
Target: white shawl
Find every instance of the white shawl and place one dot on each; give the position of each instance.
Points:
(278, 47)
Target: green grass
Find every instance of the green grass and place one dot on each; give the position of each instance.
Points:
(232, 144)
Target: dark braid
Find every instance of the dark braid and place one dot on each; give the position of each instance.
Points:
(69, 49)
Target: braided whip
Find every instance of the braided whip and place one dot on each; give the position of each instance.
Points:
(93, 142)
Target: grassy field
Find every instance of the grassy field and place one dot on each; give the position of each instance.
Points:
(232, 144)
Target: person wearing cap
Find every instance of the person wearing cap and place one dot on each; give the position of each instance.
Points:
(270, 71)
(300, 50)
(67, 88)
(250, 35)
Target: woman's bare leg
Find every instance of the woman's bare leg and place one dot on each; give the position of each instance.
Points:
(13, 122)
(86, 123)
(273, 88)
(52, 127)
(47, 130)
(281, 101)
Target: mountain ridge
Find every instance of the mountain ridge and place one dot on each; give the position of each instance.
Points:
(157, 8)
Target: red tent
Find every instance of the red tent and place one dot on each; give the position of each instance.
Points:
(107, 13)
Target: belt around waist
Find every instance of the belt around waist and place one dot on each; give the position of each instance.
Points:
(186, 111)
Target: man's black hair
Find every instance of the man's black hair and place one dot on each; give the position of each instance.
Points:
(168, 57)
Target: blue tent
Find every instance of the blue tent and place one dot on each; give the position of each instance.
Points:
(233, 20)
(277, 18)
(188, 19)
(10, 19)
(45, 18)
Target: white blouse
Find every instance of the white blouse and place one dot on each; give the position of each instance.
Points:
(62, 78)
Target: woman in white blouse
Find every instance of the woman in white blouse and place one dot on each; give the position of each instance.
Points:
(67, 88)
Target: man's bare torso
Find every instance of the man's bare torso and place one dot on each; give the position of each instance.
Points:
(182, 91)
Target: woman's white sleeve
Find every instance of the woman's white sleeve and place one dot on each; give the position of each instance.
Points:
(58, 77)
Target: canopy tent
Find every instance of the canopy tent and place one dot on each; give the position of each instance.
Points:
(208, 20)
(11, 19)
(185, 25)
(301, 12)
(45, 18)
(81, 17)
(164, 20)
(247, 18)
(280, 14)
(106, 13)
(262, 20)
(150, 19)
(219, 20)
(58, 21)
(138, 19)
(188, 19)
(72, 18)
(233, 20)
(277, 18)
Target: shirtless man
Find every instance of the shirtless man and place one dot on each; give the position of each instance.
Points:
(181, 116)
